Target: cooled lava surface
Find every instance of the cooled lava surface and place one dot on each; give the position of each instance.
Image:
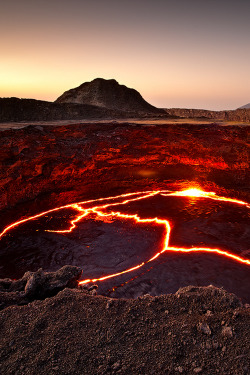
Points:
(143, 242)
(44, 167)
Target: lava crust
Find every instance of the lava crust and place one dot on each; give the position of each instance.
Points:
(75, 161)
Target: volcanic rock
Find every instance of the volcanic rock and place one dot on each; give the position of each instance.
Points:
(73, 333)
(204, 327)
(109, 94)
(240, 114)
(15, 109)
(37, 285)
(227, 332)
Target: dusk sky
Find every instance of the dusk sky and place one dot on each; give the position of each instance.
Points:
(179, 53)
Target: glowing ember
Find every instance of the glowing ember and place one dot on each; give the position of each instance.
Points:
(100, 212)
(197, 193)
(194, 192)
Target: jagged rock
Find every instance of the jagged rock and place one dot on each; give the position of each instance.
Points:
(227, 332)
(179, 369)
(204, 328)
(197, 370)
(33, 284)
(37, 285)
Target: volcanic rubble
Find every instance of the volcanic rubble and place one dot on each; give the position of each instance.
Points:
(197, 330)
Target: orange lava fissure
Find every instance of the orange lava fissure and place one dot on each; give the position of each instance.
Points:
(100, 213)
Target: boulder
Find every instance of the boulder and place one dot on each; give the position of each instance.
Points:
(37, 285)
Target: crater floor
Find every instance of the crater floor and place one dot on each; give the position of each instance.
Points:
(153, 242)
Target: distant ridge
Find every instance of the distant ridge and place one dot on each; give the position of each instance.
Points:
(240, 114)
(15, 109)
(245, 106)
(109, 94)
(104, 99)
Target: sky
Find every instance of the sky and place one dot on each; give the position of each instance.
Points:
(176, 53)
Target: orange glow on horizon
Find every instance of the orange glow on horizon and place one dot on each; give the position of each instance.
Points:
(100, 213)
(48, 48)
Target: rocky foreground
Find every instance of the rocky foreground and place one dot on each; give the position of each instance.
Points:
(198, 330)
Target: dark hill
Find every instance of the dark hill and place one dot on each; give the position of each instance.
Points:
(245, 106)
(15, 109)
(109, 94)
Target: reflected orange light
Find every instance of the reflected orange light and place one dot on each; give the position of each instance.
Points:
(147, 173)
(100, 213)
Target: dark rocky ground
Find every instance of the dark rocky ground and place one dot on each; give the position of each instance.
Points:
(195, 331)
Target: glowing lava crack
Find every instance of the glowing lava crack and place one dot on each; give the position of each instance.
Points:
(99, 212)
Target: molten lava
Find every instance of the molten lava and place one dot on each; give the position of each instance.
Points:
(99, 212)
(197, 193)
